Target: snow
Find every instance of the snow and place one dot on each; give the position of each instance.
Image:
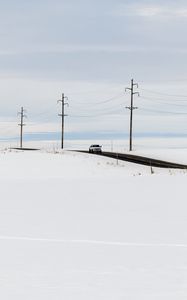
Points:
(79, 226)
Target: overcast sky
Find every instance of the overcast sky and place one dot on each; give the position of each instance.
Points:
(90, 49)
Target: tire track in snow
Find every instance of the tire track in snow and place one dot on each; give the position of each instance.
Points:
(91, 242)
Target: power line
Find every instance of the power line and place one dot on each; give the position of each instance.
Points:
(62, 115)
(164, 102)
(46, 112)
(95, 91)
(96, 115)
(100, 110)
(118, 96)
(164, 80)
(164, 94)
(131, 108)
(22, 116)
(164, 111)
(163, 98)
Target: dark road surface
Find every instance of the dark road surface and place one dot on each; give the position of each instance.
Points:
(147, 161)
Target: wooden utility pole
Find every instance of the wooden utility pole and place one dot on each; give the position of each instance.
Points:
(131, 107)
(62, 115)
(22, 116)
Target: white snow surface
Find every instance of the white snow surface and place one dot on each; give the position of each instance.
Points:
(79, 226)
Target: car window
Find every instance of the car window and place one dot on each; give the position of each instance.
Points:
(95, 146)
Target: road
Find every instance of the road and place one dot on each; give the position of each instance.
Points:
(140, 160)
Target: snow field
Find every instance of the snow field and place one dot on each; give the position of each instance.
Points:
(76, 226)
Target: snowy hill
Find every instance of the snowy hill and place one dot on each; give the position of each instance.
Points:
(75, 226)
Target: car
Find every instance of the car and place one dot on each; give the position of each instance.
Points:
(95, 149)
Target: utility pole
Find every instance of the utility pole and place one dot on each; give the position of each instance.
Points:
(22, 116)
(131, 108)
(62, 115)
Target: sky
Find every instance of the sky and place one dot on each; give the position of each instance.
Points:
(90, 50)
